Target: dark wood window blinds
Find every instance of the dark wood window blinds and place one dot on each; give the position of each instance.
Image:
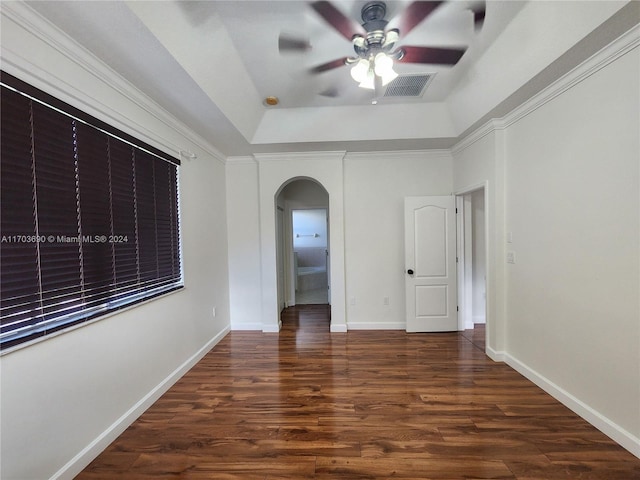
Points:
(89, 219)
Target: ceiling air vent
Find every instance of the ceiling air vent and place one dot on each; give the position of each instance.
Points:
(409, 85)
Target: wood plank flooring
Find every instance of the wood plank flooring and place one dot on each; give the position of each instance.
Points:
(306, 403)
(476, 335)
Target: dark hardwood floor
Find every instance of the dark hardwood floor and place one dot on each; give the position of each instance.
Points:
(476, 336)
(306, 403)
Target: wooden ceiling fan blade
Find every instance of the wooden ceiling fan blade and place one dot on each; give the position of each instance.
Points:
(289, 43)
(436, 56)
(415, 13)
(479, 12)
(339, 62)
(337, 19)
(331, 92)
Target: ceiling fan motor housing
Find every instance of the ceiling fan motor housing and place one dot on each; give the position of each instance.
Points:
(373, 16)
(376, 39)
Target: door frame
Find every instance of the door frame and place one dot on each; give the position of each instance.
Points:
(464, 259)
(281, 263)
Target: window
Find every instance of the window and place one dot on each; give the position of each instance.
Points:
(89, 216)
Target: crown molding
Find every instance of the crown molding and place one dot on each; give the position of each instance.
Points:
(619, 47)
(288, 156)
(241, 160)
(478, 134)
(422, 154)
(15, 62)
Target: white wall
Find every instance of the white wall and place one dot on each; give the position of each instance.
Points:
(276, 170)
(572, 203)
(243, 227)
(66, 398)
(309, 228)
(257, 207)
(563, 177)
(375, 187)
(370, 252)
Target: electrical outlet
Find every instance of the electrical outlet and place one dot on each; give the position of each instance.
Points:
(511, 257)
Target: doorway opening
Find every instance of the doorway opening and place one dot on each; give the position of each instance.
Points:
(303, 246)
(472, 264)
(310, 256)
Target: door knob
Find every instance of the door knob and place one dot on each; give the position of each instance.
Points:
(410, 272)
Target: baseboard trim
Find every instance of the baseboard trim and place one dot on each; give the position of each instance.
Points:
(246, 326)
(91, 451)
(614, 431)
(271, 328)
(376, 326)
(341, 328)
(495, 355)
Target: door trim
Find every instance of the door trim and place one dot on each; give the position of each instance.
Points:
(488, 246)
(430, 263)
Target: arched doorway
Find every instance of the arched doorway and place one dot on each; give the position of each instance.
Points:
(275, 171)
(302, 243)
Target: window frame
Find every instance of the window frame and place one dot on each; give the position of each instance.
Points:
(101, 299)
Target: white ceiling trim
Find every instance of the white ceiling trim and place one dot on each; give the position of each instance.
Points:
(241, 160)
(541, 33)
(405, 154)
(362, 122)
(276, 157)
(621, 46)
(477, 135)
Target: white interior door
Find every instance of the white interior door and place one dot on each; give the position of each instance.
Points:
(430, 264)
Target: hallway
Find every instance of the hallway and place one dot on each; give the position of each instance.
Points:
(317, 296)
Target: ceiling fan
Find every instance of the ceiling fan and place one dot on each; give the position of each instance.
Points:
(375, 46)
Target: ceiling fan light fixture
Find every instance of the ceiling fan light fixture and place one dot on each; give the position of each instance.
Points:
(358, 41)
(369, 81)
(360, 70)
(383, 67)
(388, 77)
(390, 38)
(382, 64)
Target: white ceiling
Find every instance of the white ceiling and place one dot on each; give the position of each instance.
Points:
(212, 63)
